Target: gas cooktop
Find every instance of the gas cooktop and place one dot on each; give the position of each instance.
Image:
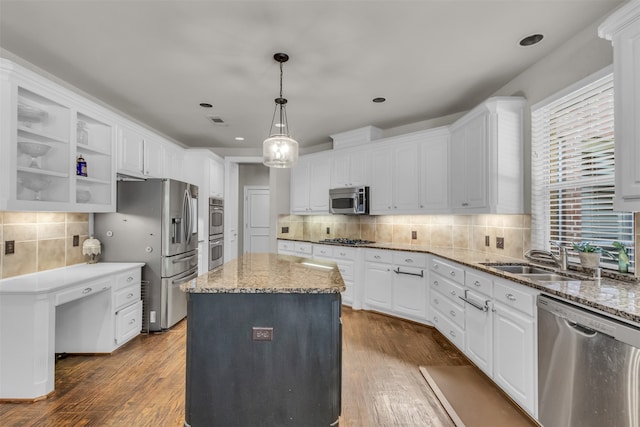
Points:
(344, 241)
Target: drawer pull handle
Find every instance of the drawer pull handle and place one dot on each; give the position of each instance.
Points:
(435, 283)
(510, 297)
(453, 293)
(452, 333)
(130, 295)
(129, 279)
(132, 321)
(342, 254)
(453, 313)
(377, 256)
(452, 273)
(421, 274)
(475, 304)
(408, 260)
(477, 283)
(86, 290)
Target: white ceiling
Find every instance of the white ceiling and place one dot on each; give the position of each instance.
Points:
(157, 60)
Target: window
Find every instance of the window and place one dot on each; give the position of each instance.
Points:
(572, 168)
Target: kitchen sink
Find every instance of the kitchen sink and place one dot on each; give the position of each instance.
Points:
(547, 277)
(520, 269)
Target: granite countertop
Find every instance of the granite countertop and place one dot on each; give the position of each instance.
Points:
(617, 297)
(268, 274)
(63, 277)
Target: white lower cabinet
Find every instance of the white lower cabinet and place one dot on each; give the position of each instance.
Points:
(128, 323)
(493, 321)
(378, 278)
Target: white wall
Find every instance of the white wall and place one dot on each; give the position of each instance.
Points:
(582, 55)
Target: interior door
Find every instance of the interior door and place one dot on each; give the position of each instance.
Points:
(256, 217)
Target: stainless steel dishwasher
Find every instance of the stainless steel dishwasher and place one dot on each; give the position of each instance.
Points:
(588, 368)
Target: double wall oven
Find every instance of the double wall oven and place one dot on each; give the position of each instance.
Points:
(216, 230)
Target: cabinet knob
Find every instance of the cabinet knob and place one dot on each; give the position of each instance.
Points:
(435, 283)
(453, 293)
(452, 333)
(476, 283)
(408, 260)
(453, 313)
(465, 204)
(435, 319)
(129, 296)
(435, 266)
(510, 297)
(452, 273)
(86, 290)
(129, 279)
(377, 256)
(435, 300)
(132, 321)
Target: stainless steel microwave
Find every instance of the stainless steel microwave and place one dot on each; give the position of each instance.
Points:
(349, 200)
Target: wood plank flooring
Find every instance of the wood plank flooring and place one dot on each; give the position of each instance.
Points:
(142, 384)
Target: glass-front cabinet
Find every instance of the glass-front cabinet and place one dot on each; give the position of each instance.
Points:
(57, 148)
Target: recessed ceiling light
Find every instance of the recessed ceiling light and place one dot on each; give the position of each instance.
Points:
(531, 40)
(239, 138)
(379, 100)
(206, 105)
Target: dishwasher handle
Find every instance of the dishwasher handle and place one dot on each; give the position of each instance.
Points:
(581, 329)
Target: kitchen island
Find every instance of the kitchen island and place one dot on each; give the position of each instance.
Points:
(264, 343)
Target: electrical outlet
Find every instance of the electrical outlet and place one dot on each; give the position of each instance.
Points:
(285, 230)
(9, 247)
(487, 241)
(328, 230)
(414, 235)
(500, 242)
(76, 240)
(259, 333)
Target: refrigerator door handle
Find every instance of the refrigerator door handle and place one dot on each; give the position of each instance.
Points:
(185, 279)
(187, 258)
(186, 211)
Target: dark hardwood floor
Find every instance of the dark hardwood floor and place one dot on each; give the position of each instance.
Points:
(142, 384)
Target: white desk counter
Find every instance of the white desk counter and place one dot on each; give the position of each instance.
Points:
(84, 308)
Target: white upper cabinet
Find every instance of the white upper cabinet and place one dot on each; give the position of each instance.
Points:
(139, 154)
(409, 173)
(350, 168)
(623, 29)
(216, 177)
(45, 131)
(174, 162)
(310, 180)
(486, 158)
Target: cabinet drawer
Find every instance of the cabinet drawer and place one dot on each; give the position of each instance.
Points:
(515, 296)
(127, 295)
(346, 270)
(453, 312)
(378, 256)
(479, 283)
(128, 278)
(448, 288)
(81, 291)
(447, 270)
(128, 323)
(410, 259)
(323, 251)
(285, 246)
(448, 329)
(303, 248)
(340, 252)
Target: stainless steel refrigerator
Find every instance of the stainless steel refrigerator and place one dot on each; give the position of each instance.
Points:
(155, 223)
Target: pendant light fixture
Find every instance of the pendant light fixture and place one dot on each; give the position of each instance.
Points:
(280, 150)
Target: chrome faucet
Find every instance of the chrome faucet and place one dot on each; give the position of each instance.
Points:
(561, 261)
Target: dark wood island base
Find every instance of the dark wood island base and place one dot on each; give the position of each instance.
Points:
(264, 347)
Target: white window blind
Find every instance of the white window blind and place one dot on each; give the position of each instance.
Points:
(573, 160)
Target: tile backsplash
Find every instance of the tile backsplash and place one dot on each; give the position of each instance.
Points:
(452, 231)
(43, 240)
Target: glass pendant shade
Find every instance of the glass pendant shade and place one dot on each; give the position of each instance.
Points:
(279, 150)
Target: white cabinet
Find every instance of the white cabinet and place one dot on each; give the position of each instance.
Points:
(623, 29)
(486, 160)
(514, 351)
(447, 309)
(410, 287)
(378, 279)
(479, 320)
(44, 130)
(174, 162)
(350, 168)
(409, 173)
(216, 178)
(139, 154)
(394, 181)
(345, 258)
(310, 180)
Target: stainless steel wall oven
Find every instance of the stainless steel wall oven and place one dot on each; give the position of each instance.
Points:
(216, 232)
